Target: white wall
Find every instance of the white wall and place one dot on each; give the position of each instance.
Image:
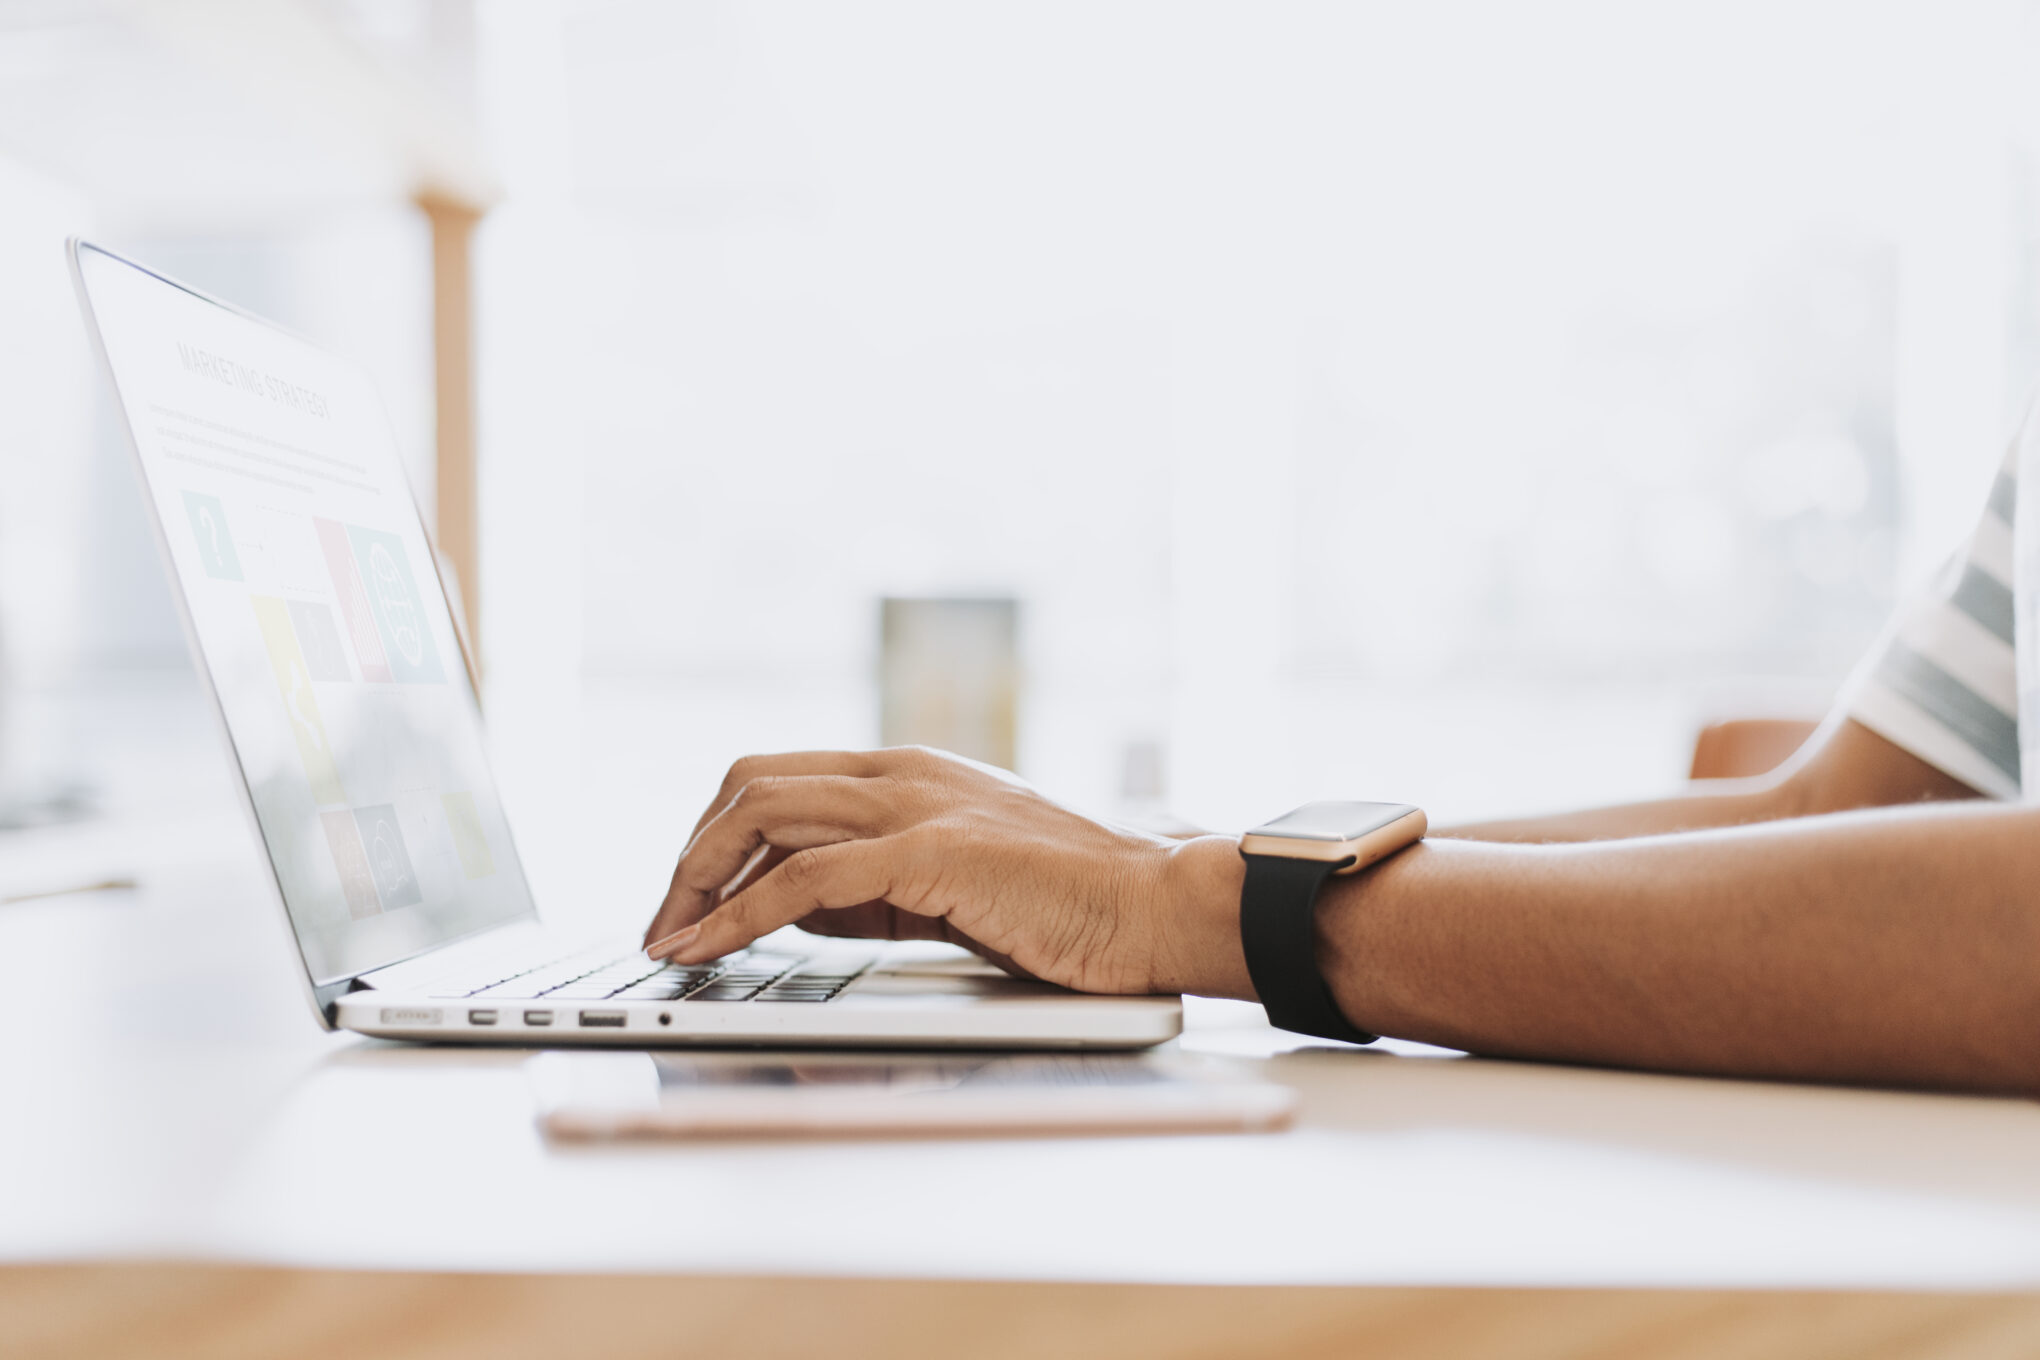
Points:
(1381, 366)
(1447, 401)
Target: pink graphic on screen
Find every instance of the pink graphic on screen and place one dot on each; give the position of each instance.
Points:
(353, 600)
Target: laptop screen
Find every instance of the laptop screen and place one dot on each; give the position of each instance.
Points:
(318, 613)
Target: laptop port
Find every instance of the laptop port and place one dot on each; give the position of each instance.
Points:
(538, 1017)
(481, 1017)
(601, 1019)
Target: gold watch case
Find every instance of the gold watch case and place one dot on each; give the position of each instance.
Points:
(1329, 832)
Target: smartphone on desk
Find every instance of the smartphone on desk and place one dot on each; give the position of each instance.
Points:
(584, 1096)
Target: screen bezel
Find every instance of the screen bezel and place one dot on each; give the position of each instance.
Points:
(321, 993)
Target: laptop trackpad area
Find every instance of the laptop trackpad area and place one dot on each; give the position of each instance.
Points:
(944, 970)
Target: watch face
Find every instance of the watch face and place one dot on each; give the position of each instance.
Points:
(1333, 821)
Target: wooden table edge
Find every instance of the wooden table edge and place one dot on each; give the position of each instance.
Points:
(170, 1310)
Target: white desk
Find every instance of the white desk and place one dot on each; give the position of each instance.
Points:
(139, 1125)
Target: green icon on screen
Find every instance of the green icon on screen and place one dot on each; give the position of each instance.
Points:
(215, 544)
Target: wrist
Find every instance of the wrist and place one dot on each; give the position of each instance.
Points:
(1362, 944)
(1197, 920)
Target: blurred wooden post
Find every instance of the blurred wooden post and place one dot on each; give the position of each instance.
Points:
(453, 350)
(949, 676)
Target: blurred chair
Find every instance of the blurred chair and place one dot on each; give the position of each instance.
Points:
(1747, 746)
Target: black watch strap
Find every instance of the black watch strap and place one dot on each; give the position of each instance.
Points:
(1278, 927)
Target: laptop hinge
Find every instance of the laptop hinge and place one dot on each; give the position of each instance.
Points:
(326, 994)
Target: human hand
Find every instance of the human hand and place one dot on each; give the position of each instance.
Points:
(918, 844)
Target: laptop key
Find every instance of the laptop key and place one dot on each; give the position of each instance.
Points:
(661, 991)
(594, 978)
(517, 991)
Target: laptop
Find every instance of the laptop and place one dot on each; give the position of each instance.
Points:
(314, 607)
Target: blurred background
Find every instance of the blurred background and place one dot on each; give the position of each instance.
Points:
(1206, 407)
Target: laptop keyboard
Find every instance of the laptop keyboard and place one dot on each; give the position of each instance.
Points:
(747, 976)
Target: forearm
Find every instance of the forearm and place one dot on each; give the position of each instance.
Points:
(1844, 766)
(1892, 946)
(1706, 804)
(1887, 946)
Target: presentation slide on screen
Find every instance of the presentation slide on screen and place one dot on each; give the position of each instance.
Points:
(328, 639)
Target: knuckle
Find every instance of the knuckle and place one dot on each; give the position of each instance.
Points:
(895, 801)
(694, 875)
(752, 792)
(734, 916)
(802, 871)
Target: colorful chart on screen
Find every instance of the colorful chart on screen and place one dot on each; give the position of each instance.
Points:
(318, 609)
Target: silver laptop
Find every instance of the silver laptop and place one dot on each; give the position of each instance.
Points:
(314, 606)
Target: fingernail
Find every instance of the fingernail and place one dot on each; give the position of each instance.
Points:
(672, 944)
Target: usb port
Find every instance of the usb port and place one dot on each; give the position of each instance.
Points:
(601, 1019)
(538, 1017)
(481, 1017)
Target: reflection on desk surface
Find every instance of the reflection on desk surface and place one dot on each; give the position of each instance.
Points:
(911, 1073)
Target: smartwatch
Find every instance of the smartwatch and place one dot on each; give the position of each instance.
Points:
(1288, 860)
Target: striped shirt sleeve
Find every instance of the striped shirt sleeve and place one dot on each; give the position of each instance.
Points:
(1943, 682)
